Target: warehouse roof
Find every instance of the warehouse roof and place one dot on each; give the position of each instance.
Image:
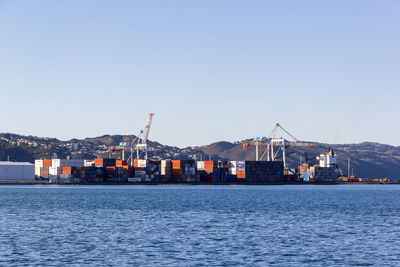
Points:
(14, 163)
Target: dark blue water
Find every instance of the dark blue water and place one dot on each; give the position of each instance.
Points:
(200, 225)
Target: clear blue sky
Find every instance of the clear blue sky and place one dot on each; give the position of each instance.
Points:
(214, 70)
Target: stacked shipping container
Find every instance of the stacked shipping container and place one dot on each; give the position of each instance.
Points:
(214, 171)
(153, 170)
(140, 168)
(184, 171)
(264, 171)
(166, 169)
(241, 170)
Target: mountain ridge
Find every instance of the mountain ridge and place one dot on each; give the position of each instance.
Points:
(368, 159)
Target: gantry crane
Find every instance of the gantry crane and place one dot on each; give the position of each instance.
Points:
(139, 144)
(275, 144)
(121, 147)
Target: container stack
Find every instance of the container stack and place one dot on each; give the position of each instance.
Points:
(241, 170)
(231, 175)
(210, 166)
(88, 163)
(211, 173)
(264, 171)
(304, 173)
(181, 171)
(44, 172)
(200, 165)
(110, 173)
(71, 174)
(126, 172)
(118, 174)
(88, 174)
(140, 168)
(58, 164)
(104, 162)
(153, 170)
(324, 174)
(98, 174)
(121, 163)
(204, 176)
(223, 167)
(232, 167)
(184, 171)
(68, 174)
(166, 170)
(42, 167)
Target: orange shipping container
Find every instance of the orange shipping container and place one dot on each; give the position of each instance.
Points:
(44, 172)
(47, 163)
(98, 162)
(104, 162)
(210, 166)
(241, 174)
(66, 170)
(120, 163)
(176, 164)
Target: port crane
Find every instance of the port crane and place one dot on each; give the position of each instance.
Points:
(275, 143)
(139, 144)
(121, 147)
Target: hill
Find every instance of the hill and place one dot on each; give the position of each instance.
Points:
(368, 159)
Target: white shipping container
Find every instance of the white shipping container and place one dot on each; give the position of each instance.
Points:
(200, 165)
(17, 171)
(165, 162)
(37, 171)
(68, 162)
(166, 167)
(232, 167)
(55, 171)
(38, 163)
(141, 163)
(88, 163)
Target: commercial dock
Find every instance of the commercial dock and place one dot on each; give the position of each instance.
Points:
(269, 167)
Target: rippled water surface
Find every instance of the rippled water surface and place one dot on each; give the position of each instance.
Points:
(200, 225)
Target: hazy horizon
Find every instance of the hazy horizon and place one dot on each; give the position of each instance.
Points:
(210, 70)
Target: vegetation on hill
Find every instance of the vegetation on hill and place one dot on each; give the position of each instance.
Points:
(368, 159)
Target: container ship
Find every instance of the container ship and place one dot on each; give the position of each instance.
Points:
(326, 171)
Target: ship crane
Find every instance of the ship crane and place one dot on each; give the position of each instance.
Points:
(139, 144)
(275, 143)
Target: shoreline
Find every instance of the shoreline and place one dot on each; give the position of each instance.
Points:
(226, 183)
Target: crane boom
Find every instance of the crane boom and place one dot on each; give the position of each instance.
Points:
(275, 143)
(147, 129)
